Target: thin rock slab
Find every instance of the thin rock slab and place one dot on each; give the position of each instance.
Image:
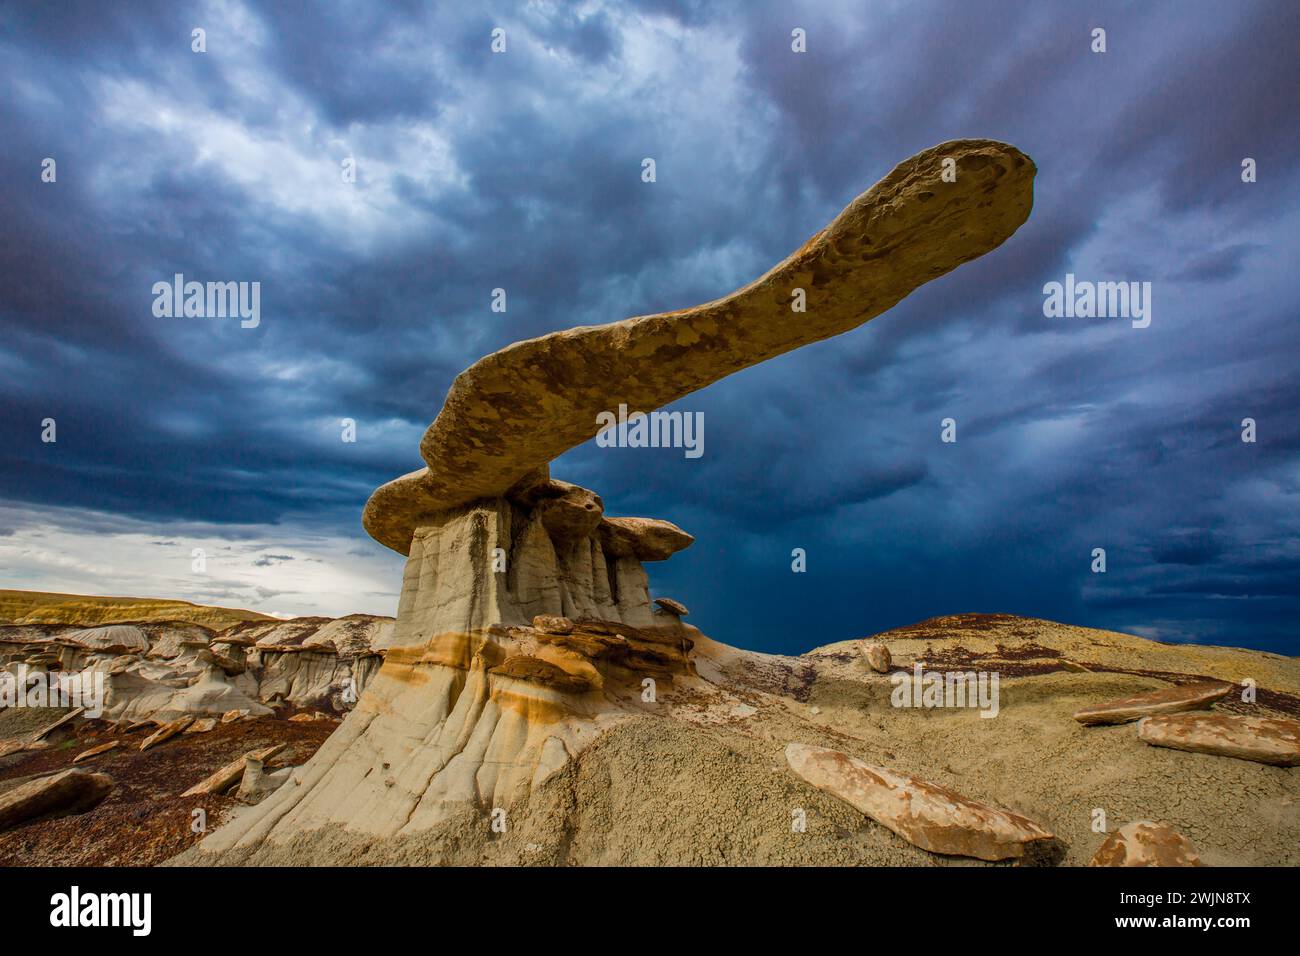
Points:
(669, 606)
(71, 791)
(1167, 700)
(1271, 740)
(166, 732)
(70, 715)
(922, 813)
(225, 778)
(1143, 843)
(96, 751)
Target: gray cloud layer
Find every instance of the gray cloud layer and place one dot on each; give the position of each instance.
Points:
(522, 171)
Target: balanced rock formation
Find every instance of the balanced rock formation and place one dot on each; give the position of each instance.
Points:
(1143, 843)
(669, 606)
(224, 778)
(515, 633)
(518, 409)
(1167, 700)
(485, 693)
(925, 814)
(1271, 740)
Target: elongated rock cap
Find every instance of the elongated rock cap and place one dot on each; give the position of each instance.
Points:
(516, 410)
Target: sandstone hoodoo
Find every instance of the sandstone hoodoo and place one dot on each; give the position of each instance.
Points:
(525, 623)
(669, 606)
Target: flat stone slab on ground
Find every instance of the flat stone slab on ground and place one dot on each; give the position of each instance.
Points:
(1167, 700)
(925, 814)
(71, 791)
(1271, 740)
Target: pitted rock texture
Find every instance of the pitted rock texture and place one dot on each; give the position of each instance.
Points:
(1143, 843)
(514, 411)
(925, 814)
(1272, 740)
(1165, 701)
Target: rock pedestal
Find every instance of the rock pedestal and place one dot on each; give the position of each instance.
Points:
(473, 705)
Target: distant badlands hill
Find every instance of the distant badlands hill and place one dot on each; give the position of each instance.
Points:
(43, 607)
(702, 776)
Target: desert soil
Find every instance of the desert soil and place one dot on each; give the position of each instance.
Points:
(701, 777)
(144, 820)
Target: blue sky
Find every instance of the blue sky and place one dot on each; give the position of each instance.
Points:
(522, 170)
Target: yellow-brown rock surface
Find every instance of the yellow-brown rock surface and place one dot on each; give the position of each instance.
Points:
(519, 408)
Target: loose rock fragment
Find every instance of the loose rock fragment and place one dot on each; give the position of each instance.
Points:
(96, 751)
(1271, 740)
(166, 732)
(72, 791)
(1167, 700)
(70, 715)
(1143, 843)
(877, 657)
(925, 814)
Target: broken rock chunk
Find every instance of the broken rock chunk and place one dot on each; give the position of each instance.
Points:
(72, 791)
(1167, 700)
(1272, 740)
(925, 814)
(1143, 843)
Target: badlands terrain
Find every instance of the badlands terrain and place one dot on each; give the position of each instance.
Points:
(531, 704)
(701, 776)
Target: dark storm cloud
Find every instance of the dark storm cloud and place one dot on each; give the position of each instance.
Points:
(522, 171)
